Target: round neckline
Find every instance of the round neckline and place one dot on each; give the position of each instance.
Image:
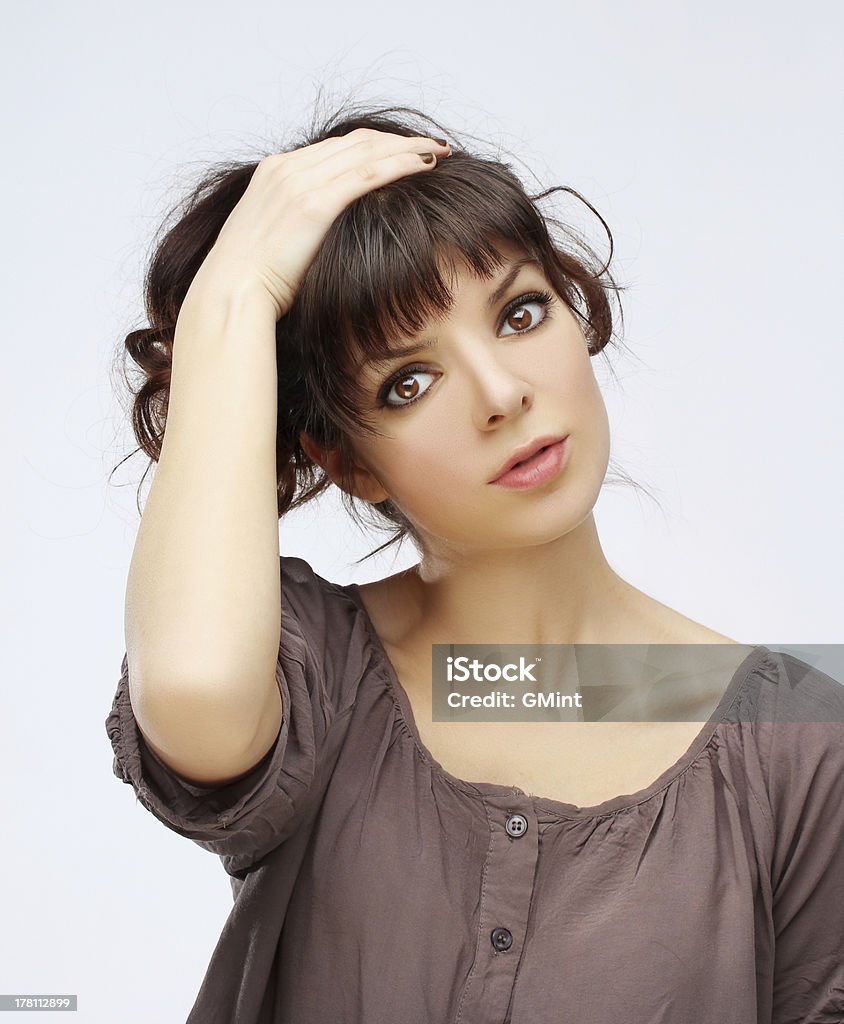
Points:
(560, 808)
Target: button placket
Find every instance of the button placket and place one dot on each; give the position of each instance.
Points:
(509, 872)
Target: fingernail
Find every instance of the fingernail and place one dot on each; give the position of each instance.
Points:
(427, 158)
(442, 142)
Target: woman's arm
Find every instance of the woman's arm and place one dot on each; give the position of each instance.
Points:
(203, 600)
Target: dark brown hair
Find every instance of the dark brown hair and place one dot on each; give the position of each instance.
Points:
(377, 276)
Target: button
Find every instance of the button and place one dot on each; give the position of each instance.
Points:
(516, 825)
(502, 939)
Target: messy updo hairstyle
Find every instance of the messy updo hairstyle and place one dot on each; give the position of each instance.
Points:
(377, 276)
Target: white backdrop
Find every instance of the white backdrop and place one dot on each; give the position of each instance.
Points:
(707, 136)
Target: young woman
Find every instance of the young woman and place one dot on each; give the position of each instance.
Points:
(377, 310)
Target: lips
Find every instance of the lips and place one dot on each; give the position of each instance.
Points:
(527, 451)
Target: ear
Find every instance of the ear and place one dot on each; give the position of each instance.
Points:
(365, 484)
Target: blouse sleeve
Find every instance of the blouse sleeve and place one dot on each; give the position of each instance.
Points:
(319, 664)
(805, 769)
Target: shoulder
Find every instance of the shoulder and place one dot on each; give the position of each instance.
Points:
(649, 620)
(675, 628)
(672, 627)
(333, 639)
(787, 688)
(392, 607)
(323, 613)
(304, 588)
(298, 570)
(795, 712)
(798, 732)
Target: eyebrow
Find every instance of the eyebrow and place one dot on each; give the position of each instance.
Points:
(494, 298)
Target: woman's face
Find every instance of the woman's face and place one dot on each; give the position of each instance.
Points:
(496, 378)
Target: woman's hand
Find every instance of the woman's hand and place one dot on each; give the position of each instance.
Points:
(273, 233)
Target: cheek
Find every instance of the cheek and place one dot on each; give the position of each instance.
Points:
(573, 387)
(571, 396)
(586, 417)
(421, 467)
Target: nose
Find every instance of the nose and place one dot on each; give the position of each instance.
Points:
(499, 393)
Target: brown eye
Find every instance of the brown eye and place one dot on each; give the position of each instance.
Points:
(520, 319)
(407, 387)
(516, 318)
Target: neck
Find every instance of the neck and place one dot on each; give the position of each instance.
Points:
(563, 592)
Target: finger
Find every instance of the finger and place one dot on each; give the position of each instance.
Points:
(367, 175)
(339, 153)
(368, 152)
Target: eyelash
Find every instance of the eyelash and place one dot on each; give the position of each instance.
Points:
(544, 298)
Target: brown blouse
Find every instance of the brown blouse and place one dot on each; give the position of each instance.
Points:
(371, 885)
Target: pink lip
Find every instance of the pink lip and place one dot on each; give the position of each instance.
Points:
(526, 451)
(539, 470)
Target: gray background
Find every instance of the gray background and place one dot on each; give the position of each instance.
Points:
(706, 135)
